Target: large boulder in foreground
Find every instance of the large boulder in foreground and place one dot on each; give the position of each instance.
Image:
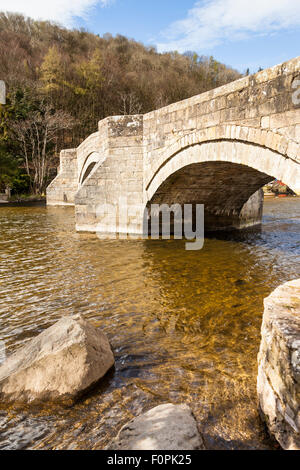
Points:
(58, 365)
(278, 381)
(166, 427)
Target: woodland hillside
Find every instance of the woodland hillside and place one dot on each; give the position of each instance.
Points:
(61, 82)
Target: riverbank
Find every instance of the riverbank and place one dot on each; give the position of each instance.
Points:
(273, 195)
(30, 201)
(24, 202)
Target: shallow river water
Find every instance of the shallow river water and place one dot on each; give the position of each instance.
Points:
(184, 326)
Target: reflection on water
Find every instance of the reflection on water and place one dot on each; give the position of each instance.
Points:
(184, 326)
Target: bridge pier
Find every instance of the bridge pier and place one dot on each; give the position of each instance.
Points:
(115, 185)
(249, 216)
(61, 191)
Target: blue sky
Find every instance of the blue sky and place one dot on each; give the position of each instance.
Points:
(240, 33)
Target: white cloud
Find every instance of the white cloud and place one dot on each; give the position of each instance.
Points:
(211, 22)
(62, 11)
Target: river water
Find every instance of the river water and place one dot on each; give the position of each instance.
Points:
(184, 326)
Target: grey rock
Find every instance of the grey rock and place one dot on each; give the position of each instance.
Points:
(58, 365)
(166, 427)
(278, 381)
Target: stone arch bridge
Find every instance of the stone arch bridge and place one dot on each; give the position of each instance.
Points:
(218, 149)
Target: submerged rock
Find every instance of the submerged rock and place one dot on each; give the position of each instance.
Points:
(166, 427)
(58, 365)
(278, 382)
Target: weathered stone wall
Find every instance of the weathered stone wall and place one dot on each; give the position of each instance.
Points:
(97, 142)
(258, 109)
(63, 188)
(278, 381)
(252, 211)
(230, 192)
(120, 175)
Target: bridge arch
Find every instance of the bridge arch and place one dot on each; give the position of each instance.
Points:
(223, 175)
(264, 160)
(265, 139)
(89, 164)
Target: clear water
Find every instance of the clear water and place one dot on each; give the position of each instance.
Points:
(184, 326)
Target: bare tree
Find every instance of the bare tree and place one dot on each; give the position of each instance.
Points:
(130, 104)
(37, 135)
